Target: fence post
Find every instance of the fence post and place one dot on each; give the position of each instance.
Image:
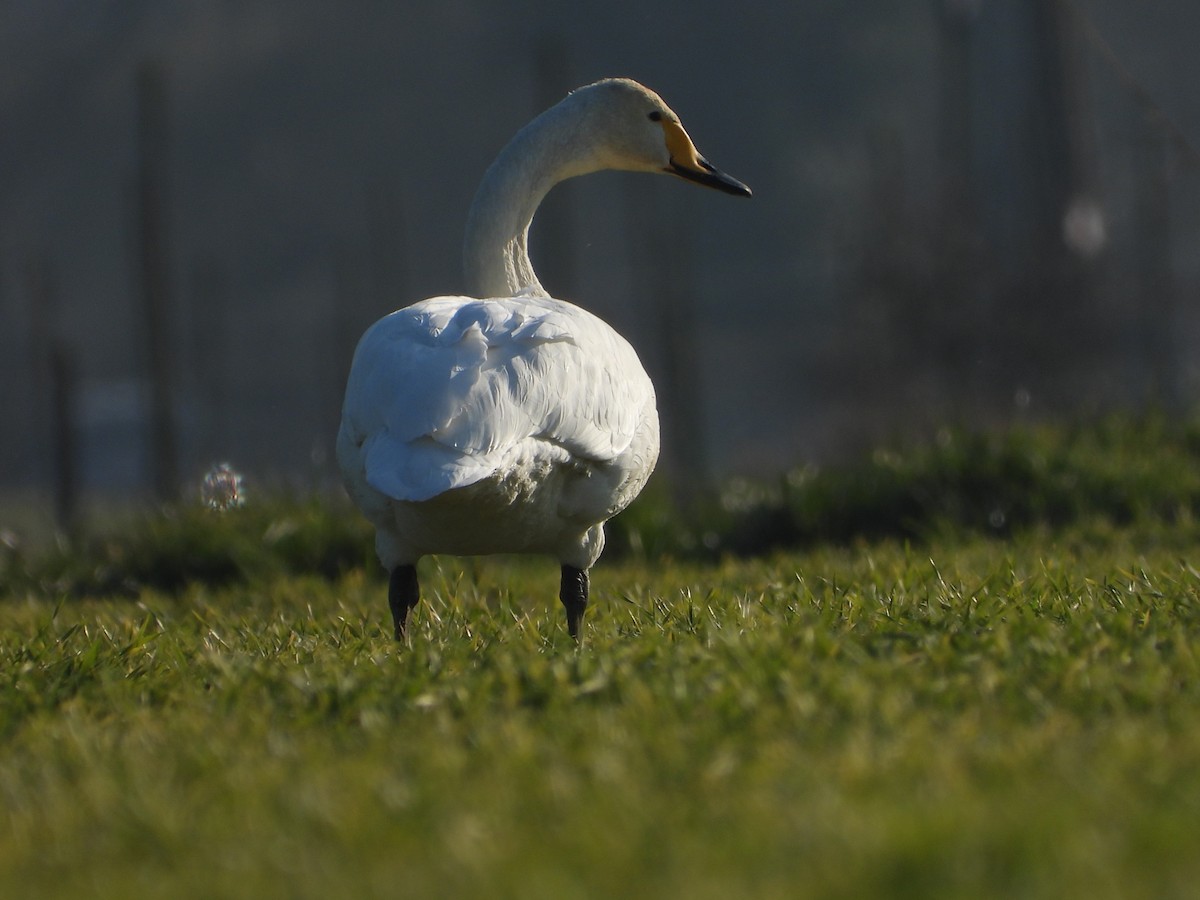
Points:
(155, 276)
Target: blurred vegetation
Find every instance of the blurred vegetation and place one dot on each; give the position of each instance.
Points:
(1095, 477)
(1112, 473)
(168, 548)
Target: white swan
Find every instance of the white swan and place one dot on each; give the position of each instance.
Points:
(518, 423)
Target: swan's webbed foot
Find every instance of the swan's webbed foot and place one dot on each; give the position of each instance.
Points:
(403, 594)
(574, 596)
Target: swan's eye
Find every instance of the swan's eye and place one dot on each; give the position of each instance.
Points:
(655, 116)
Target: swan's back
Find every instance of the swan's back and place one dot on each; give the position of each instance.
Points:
(445, 393)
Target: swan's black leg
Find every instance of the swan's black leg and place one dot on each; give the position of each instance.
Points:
(574, 596)
(403, 593)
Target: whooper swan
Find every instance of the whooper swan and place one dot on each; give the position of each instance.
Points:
(518, 423)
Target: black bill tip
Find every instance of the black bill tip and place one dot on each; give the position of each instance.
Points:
(710, 176)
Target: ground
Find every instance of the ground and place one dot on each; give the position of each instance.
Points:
(967, 717)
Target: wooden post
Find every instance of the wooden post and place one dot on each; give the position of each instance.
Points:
(942, 353)
(663, 273)
(554, 229)
(209, 332)
(387, 244)
(66, 468)
(53, 383)
(1067, 181)
(956, 201)
(1152, 211)
(344, 328)
(155, 277)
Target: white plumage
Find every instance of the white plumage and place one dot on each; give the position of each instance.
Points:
(517, 423)
(518, 393)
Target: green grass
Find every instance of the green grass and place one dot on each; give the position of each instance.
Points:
(969, 719)
(913, 702)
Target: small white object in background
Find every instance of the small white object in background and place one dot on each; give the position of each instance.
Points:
(1085, 228)
(222, 488)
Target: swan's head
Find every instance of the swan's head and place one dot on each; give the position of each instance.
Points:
(636, 131)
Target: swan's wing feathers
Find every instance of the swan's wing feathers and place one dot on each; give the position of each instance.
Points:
(549, 326)
(444, 392)
(405, 381)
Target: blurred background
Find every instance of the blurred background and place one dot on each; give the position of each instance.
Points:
(965, 211)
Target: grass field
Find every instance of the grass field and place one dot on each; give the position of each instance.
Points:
(970, 716)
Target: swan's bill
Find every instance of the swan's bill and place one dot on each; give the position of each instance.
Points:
(687, 163)
(709, 176)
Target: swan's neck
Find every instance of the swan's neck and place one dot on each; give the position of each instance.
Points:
(543, 153)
